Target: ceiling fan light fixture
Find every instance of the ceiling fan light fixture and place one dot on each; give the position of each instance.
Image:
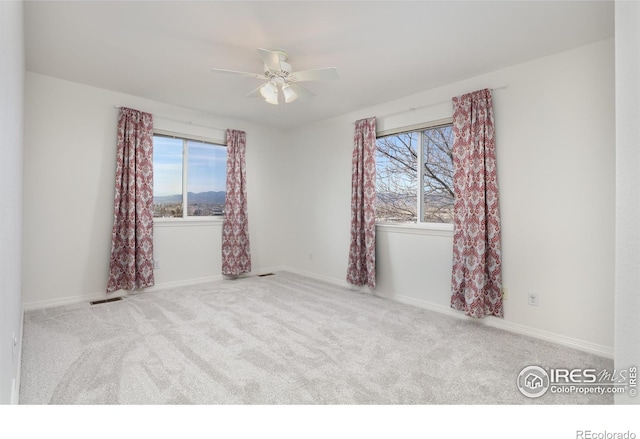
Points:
(282, 79)
(289, 94)
(270, 93)
(268, 90)
(272, 99)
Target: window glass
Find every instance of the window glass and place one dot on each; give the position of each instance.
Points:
(403, 160)
(396, 183)
(167, 177)
(206, 181)
(189, 178)
(438, 175)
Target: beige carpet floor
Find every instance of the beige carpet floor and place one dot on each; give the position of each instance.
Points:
(281, 339)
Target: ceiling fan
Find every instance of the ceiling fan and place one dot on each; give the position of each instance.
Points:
(281, 81)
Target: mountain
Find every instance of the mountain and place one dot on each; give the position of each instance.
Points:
(167, 199)
(210, 197)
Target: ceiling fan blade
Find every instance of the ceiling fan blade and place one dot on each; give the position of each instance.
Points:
(270, 59)
(328, 73)
(255, 93)
(301, 91)
(235, 72)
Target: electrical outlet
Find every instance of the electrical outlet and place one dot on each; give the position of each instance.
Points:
(505, 293)
(533, 298)
(156, 264)
(310, 256)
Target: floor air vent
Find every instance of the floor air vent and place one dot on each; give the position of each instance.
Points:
(266, 274)
(99, 302)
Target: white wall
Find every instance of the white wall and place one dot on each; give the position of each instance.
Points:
(556, 167)
(11, 119)
(70, 150)
(627, 333)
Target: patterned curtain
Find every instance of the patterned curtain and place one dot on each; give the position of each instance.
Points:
(477, 273)
(131, 264)
(236, 255)
(362, 251)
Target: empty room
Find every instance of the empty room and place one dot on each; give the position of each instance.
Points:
(319, 203)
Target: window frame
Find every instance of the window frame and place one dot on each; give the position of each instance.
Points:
(186, 219)
(419, 226)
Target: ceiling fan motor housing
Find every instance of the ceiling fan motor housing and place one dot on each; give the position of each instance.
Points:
(285, 67)
(282, 81)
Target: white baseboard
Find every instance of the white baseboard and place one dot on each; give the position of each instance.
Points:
(70, 300)
(331, 280)
(582, 345)
(178, 284)
(593, 348)
(15, 383)
(267, 270)
(15, 391)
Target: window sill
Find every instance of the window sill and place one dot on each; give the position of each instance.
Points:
(188, 222)
(433, 229)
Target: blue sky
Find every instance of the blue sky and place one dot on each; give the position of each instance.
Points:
(206, 164)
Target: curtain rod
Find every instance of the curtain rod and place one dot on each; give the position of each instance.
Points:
(432, 104)
(186, 122)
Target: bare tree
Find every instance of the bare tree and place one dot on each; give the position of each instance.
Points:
(397, 175)
(396, 185)
(438, 174)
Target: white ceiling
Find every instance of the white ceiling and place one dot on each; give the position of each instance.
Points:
(164, 50)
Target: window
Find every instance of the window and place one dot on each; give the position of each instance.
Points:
(414, 176)
(189, 177)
